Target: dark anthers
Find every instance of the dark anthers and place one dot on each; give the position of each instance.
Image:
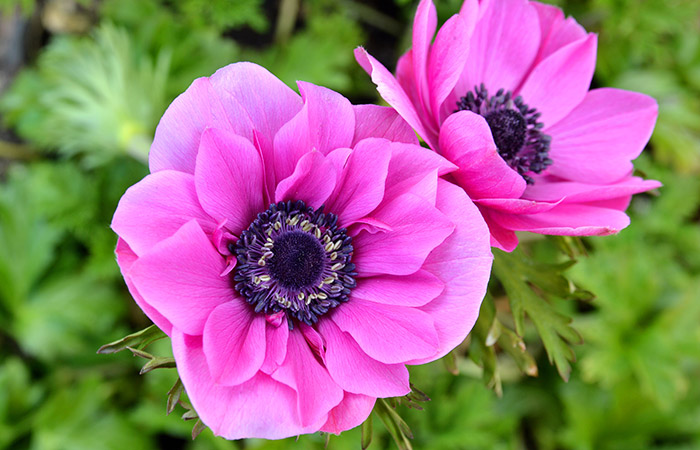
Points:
(515, 129)
(294, 259)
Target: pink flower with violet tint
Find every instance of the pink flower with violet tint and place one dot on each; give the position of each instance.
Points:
(299, 251)
(502, 92)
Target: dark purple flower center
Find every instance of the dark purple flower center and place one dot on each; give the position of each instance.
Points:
(294, 259)
(515, 128)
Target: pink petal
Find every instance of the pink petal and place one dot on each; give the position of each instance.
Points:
(381, 122)
(312, 181)
(351, 412)
(416, 289)
(356, 372)
(516, 205)
(417, 228)
(407, 80)
(156, 207)
(234, 342)
(560, 82)
(556, 31)
(463, 264)
(448, 56)
(360, 187)
(258, 105)
(409, 165)
(392, 92)
(317, 393)
(177, 137)
(424, 26)
(125, 258)
(276, 337)
(326, 122)
(501, 238)
(229, 179)
(597, 141)
(567, 220)
(258, 408)
(390, 334)
(179, 277)
(465, 139)
(503, 46)
(574, 192)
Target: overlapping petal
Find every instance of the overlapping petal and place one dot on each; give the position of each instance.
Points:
(250, 140)
(522, 58)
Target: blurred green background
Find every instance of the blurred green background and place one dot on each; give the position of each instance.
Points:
(82, 87)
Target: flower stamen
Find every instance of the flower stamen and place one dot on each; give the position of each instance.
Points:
(515, 128)
(295, 259)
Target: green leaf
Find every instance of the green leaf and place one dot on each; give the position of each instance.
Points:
(366, 433)
(518, 275)
(174, 395)
(139, 340)
(397, 427)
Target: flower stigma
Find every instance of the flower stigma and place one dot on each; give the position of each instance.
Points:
(294, 259)
(515, 128)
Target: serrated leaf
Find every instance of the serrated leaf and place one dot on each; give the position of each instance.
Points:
(517, 274)
(139, 340)
(515, 347)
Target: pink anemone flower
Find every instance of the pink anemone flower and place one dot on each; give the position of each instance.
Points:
(299, 251)
(503, 92)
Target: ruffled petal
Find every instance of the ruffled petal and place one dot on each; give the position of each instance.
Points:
(351, 412)
(465, 139)
(312, 181)
(424, 26)
(234, 342)
(381, 122)
(556, 31)
(463, 264)
(596, 142)
(276, 336)
(553, 189)
(503, 46)
(360, 187)
(409, 165)
(392, 92)
(567, 220)
(448, 56)
(179, 277)
(258, 104)
(156, 207)
(259, 408)
(229, 179)
(326, 122)
(416, 289)
(125, 258)
(516, 205)
(390, 334)
(356, 372)
(317, 393)
(560, 82)
(416, 229)
(177, 137)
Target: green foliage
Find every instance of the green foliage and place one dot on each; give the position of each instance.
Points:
(323, 46)
(96, 99)
(224, 14)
